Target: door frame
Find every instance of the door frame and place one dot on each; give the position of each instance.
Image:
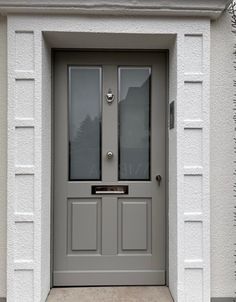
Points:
(166, 52)
(33, 38)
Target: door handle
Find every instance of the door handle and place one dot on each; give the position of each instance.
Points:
(109, 155)
(158, 178)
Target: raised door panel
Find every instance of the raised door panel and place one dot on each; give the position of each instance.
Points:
(134, 226)
(84, 217)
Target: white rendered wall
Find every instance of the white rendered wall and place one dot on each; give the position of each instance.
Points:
(222, 280)
(29, 149)
(223, 234)
(3, 153)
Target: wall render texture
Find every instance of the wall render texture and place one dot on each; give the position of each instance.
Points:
(3, 153)
(223, 235)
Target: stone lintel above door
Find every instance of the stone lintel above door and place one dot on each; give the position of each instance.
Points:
(191, 8)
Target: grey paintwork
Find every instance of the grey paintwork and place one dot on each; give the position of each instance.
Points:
(115, 239)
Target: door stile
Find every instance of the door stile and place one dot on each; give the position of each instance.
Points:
(109, 125)
(61, 156)
(109, 218)
(109, 166)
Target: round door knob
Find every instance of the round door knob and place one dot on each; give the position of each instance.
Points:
(109, 155)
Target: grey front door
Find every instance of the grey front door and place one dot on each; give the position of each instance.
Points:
(109, 148)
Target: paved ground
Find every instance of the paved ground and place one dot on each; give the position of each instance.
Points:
(111, 294)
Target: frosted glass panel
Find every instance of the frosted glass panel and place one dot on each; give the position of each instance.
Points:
(134, 123)
(84, 123)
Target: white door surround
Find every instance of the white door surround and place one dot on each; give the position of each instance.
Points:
(30, 39)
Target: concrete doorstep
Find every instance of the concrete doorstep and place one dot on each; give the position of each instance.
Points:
(111, 294)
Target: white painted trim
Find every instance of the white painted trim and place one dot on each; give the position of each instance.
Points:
(28, 59)
(203, 8)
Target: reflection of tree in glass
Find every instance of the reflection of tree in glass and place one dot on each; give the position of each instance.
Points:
(134, 109)
(135, 132)
(85, 151)
(87, 134)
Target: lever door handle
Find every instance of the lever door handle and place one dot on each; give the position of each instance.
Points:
(158, 178)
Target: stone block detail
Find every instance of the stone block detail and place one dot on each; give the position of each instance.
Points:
(193, 240)
(24, 198)
(24, 57)
(193, 285)
(24, 98)
(24, 146)
(193, 193)
(192, 101)
(24, 241)
(193, 54)
(193, 147)
(24, 289)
